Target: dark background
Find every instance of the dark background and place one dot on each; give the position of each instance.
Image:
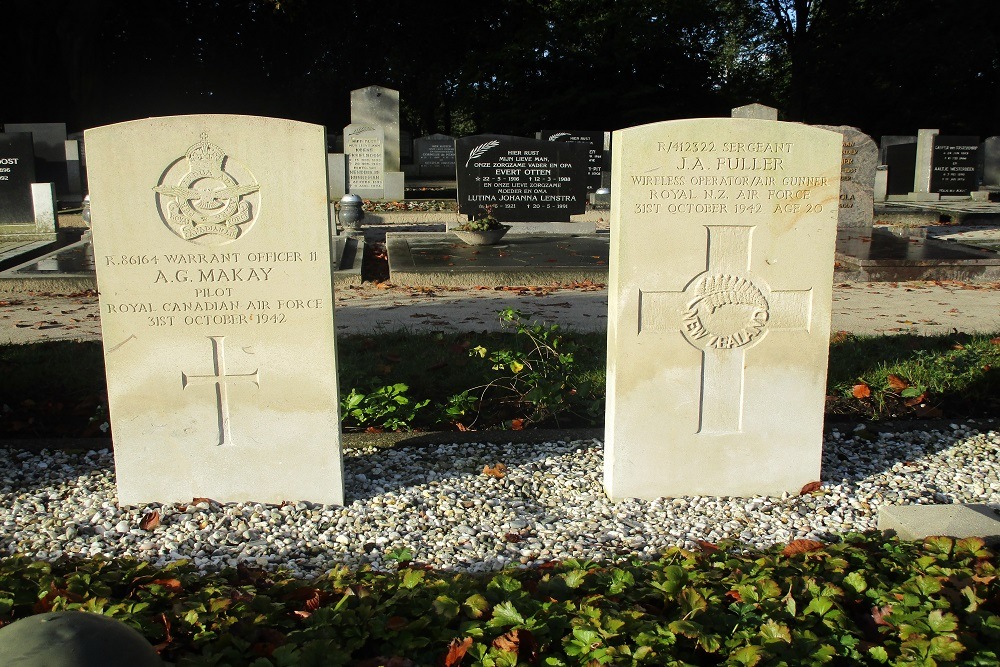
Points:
(507, 66)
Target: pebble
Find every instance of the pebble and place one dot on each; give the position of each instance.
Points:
(435, 502)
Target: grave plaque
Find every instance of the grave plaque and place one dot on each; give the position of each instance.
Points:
(953, 165)
(524, 180)
(857, 178)
(364, 146)
(17, 173)
(435, 155)
(594, 141)
(212, 243)
(721, 273)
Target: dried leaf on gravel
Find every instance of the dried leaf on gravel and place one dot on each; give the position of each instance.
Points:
(498, 471)
(796, 547)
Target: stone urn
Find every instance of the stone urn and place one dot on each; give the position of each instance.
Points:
(350, 214)
(481, 236)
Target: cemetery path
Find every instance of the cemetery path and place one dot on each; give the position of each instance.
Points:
(862, 308)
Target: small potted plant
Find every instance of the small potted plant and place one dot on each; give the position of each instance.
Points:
(482, 230)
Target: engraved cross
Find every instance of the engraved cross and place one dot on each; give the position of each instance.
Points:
(220, 380)
(724, 311)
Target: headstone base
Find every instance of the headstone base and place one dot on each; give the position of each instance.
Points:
(923, 196)
(915, 522)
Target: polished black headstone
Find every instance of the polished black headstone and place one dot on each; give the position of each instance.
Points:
(902, 162)
(49, 141)
(17, 173)
(594, 141)
(953, 165)
(524, 180)
(435, 156)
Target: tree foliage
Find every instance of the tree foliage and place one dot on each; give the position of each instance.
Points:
(509, 66)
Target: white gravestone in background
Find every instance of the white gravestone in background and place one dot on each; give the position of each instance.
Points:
(211, 237)
(364, 147)
(721, 272)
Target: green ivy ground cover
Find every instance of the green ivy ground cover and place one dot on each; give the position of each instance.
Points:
(870, 600)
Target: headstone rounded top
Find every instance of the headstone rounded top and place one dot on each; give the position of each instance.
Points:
(74, 639)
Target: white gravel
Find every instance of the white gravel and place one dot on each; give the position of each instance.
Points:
(436, 502)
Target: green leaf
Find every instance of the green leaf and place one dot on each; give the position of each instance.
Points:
(504, 583)
(446, 606)
(748, 656)
(856, 582)
(945, 648)
(692, 602)
(475, 606)
(879, 653)
(621, 580)
(819, 606)
(574, 578)
(412, 578)
(772, 631)
(942, 623)
(504, 614)
(972, 547)
(939, 544)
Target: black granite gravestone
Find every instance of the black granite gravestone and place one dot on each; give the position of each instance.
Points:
(49, 141)
(953, 165)
(435, 156)
(17, 173)
(594, 141)
(902, 162)
(523, 180)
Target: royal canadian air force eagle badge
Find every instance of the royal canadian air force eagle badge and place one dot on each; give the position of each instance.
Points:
(206, 196)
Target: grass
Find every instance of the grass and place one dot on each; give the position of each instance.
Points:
(54, 389)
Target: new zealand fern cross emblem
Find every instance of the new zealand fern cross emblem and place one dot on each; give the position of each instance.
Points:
(205, 194)
(724, 311)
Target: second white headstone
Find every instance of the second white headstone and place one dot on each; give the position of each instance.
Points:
(721, 271)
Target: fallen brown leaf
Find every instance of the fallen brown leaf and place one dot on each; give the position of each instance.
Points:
(498, 471)
(456, 651)
(861, 391)
(810, 487)
(796, 547)
(897, 383)
(150, 520)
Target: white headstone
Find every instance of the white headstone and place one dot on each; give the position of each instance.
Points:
(755, 110)
(43, 198)
(212, 242)
(336, 165)
(376, 105)
(721, 274)
(364, 148)
(922, 172)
